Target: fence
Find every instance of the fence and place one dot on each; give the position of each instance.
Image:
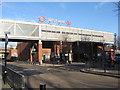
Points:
(102, 67)
(14, 79)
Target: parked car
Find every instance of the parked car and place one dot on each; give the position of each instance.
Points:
(117, 58)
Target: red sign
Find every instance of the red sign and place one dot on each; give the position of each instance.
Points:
(68, 23)
(42, 19)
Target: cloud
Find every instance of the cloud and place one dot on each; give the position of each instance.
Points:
(18, 18)
(7, 5)
(25, 19)
(62, 5)
(99, 5)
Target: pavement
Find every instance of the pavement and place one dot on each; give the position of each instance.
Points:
(5, 86)
(99, 72)
(109, 71)
(61, 76)
(2, 85)
(78, 66)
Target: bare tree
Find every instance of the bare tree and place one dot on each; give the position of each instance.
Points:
(118, 42)
(118, 37)
(118, 6)
(66, 46)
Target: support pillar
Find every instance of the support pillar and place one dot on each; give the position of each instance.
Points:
(55, 49)
(40, 52)
(60, 46)
(31, 58)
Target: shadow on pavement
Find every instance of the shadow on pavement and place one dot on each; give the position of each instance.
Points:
(24, 71)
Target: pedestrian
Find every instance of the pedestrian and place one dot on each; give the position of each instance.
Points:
(70, 58)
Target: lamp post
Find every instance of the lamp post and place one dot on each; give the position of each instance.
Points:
(104, 56)
(78, 50)
(61, 54)
(92, 60)
(6, 43)
(115, 42)
(114, 49)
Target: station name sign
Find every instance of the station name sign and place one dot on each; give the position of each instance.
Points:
(44, 19)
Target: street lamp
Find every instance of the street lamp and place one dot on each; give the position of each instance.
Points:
(104, 56)
(6, 43)
(61, 54)
(115, 42)
(78, 50)
(114, 49)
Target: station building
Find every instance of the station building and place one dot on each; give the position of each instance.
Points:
(38, 41)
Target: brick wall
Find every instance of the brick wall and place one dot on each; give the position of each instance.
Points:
(24, 51)
(13, 53)
(46, 51)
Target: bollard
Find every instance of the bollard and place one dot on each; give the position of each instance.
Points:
(5, 77)
(42, 86)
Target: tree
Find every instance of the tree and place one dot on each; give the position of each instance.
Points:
(118, 42)
(66, 46)
(118, 7)
(118, 37)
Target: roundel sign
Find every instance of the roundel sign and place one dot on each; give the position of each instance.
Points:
(42, 18)
(68, 23)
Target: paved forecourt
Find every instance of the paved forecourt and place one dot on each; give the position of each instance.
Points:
(59, 78)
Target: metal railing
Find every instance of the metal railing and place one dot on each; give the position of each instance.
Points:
(102, 67)
(14, 79)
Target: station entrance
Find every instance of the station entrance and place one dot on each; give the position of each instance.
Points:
(35, 51)
(44, 42)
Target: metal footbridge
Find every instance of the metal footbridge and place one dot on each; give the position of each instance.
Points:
(20, 30)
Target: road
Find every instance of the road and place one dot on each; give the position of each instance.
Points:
(55, 77)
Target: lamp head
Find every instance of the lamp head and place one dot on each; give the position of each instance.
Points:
(6, 32)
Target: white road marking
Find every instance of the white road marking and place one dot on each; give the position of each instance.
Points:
(28, 69)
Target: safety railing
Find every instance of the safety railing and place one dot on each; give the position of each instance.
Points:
(14, 79)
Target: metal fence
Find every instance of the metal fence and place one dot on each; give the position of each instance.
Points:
(99, 63)
(14, 79)
(102, 67)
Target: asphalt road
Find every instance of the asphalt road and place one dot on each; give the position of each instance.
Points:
(55, 77)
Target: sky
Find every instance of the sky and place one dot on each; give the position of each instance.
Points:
(100, 16)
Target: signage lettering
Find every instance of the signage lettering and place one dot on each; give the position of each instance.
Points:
(43, 19)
